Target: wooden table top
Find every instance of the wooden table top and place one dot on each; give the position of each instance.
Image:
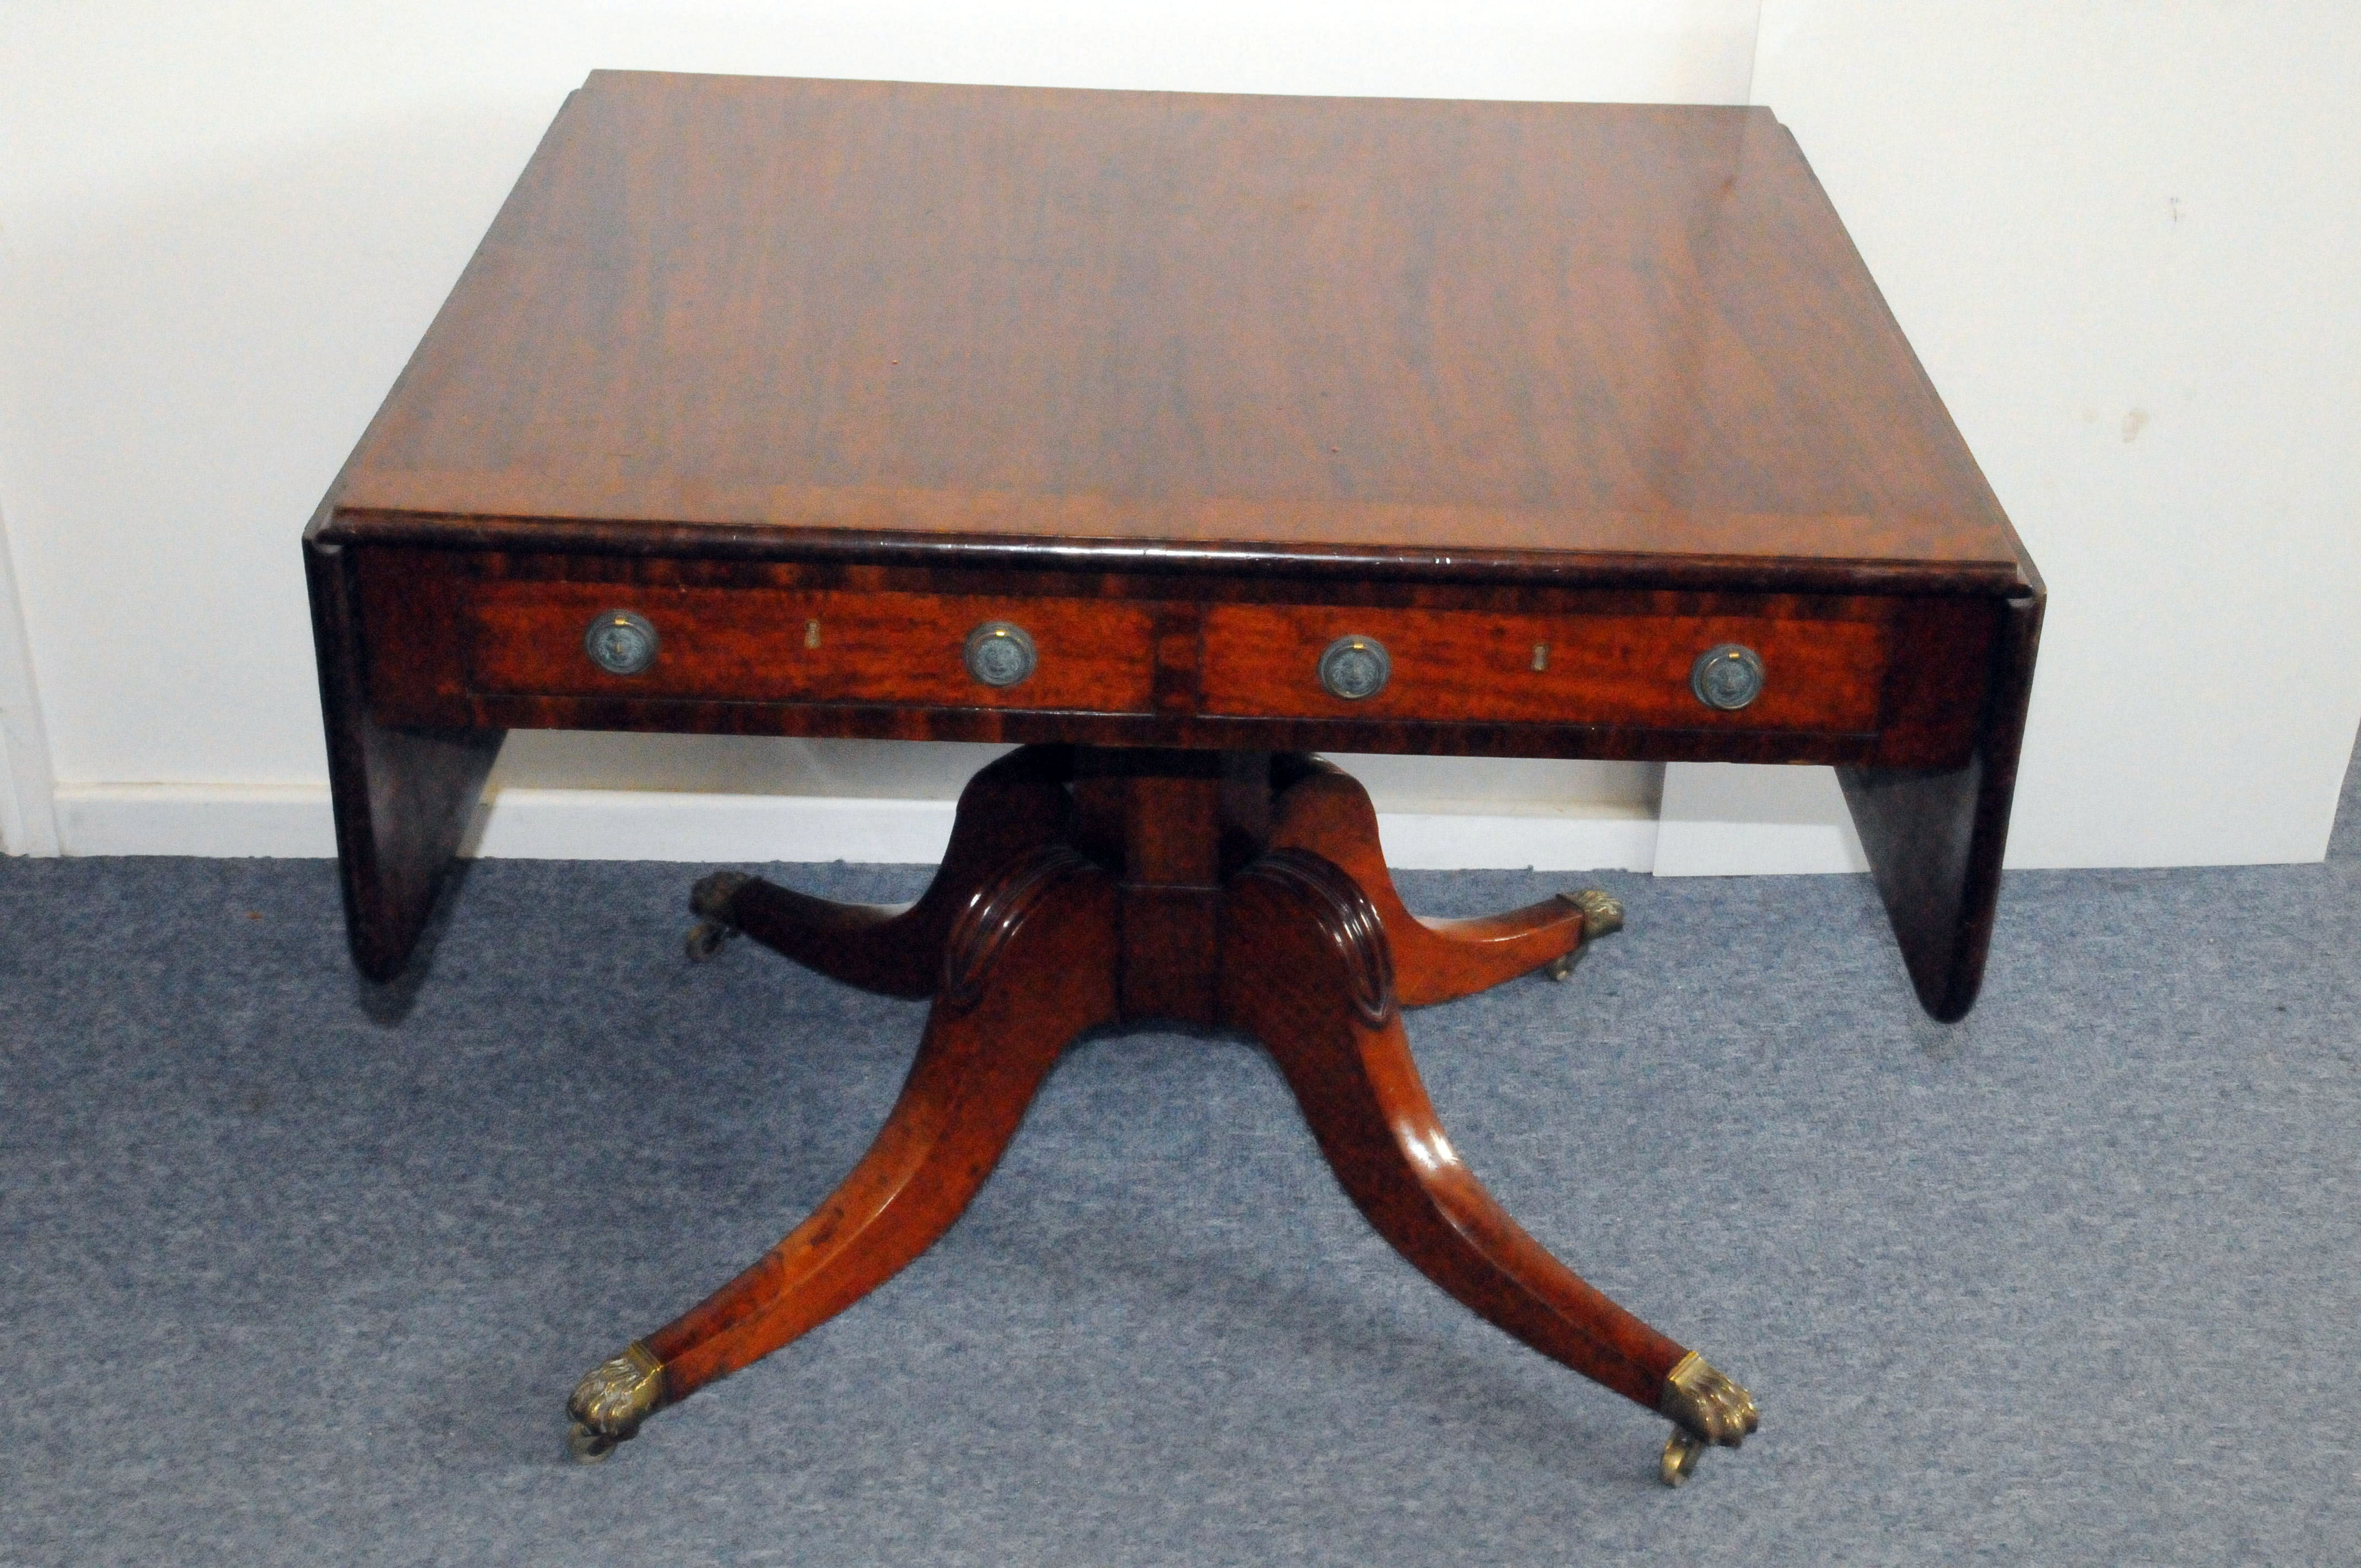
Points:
(1545, 339)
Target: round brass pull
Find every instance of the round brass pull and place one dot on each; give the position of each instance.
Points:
(622, 642)
(1728, 678)
(999, 653)
(1355, 667)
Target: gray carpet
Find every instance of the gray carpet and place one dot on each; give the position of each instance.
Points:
(301, 1273)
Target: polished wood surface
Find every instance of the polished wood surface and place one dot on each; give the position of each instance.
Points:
(1324, 811)
(827, 646)
(494, 641)
(839, 311)
(1828, 676)
(402, 794)
(1935, 836)
(815, 377)
(1177, 887)
(1029, 965)
(1017, 805)
(1292, 978)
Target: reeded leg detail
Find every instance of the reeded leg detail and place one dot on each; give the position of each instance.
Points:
(1305, 968)
(1017, 804)
(1024, 941)
(1329, 813)
(1028, 964)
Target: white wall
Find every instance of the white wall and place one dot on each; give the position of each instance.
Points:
(223, 226)
(2125, 240)
(26, 825)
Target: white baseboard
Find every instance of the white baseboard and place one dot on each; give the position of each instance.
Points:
(671, 824)
(229, 820)
(15, 827)
(1443, 840)
(29, 823)
(646, 824)
(1739, 820)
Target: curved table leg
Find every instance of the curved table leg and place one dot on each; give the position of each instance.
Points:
(1306, 966)
(1329, 813)
(1030, 964)
(1017, 804)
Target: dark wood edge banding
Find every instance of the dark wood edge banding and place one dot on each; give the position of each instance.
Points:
(1310, 561)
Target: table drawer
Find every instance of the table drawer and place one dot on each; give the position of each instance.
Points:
(821, 645)
(1817, 676)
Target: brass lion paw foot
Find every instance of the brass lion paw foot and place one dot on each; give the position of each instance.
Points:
(1705, 1406)
(1602, 912)
(609, 1404)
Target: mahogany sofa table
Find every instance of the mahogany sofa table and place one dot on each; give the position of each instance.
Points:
(1175, 436)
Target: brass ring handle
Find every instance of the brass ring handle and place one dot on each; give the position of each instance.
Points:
(1728, 678)
(999, 653)
(622, 642)
(1355, 667)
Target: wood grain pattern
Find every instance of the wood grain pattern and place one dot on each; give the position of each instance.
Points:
(1050, 974)
(1189, 385)
(1016, 806)
(1264, 660)
(1230, 567)
(758, 645)
(1866, 679)
(1091, 318)
(402, 796)
(1209, 901)
(1182, 374)
(1290, 978)
(1935, 836)
(1326, 812)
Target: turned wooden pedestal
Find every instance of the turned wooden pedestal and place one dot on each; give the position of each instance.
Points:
(1228, 888)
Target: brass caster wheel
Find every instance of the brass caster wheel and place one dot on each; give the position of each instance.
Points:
(1705, 1408)
(705, 939)
(709, 902)
(588, 1447)
(1602, 914)
(1682, 1453)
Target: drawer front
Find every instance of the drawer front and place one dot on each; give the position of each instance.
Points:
(821, 645)
(1817, 676)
